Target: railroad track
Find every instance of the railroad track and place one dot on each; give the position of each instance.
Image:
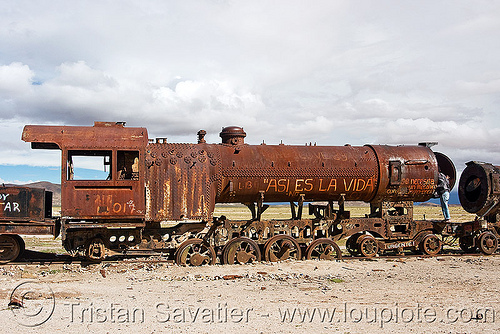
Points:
(58, 259)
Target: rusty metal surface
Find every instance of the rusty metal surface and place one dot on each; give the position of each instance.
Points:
(26, 211)
(479, 193)
(406, 173)
(101, 135)
(25, 204)
(479, 188)
(121, 194)
(181, 181)
(92, 200)
(283, 173)
(185, 181)
(29, 228)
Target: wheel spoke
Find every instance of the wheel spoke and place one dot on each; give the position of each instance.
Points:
(431, 245)
(282, 247)
(323, 249)
(487, 243)
(240, 250)
(195, 252)
(368, 246)
(9, 248)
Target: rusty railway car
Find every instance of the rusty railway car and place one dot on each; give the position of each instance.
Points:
(154, 195)
(479, 193)
(24, 211)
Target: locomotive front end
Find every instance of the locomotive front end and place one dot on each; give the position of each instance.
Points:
(410, 173)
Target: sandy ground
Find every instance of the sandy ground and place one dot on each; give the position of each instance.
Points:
(408, 295)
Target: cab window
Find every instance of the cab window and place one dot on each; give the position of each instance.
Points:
(127, 165)
(89, 165)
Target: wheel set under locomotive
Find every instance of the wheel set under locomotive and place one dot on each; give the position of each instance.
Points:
(154, 195)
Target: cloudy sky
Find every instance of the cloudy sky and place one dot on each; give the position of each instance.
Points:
(331, 72)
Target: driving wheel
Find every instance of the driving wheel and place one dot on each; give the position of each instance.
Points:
(195, 252)
(282, 247)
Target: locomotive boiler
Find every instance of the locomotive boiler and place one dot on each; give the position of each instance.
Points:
(233, 172)
(159, 195)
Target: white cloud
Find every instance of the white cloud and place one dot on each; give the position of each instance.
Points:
(329, 72)
(15, 80)
(471, 88)
(317, 126)
(79, 74)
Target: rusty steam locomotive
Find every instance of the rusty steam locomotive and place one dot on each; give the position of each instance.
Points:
(161, 196)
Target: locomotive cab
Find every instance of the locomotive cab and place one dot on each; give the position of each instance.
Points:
(102, 174)
(108, 179)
